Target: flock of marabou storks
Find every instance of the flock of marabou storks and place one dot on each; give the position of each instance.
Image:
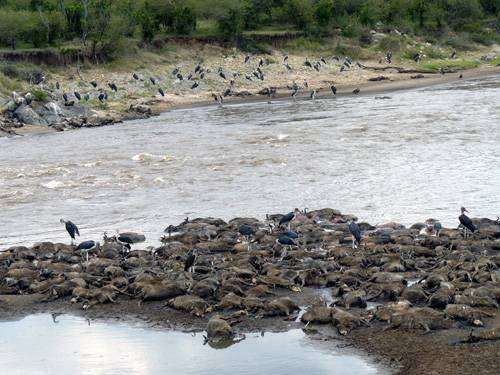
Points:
(193, 80)
(286, 239)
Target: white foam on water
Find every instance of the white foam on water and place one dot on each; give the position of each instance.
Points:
(54, 184)
(146, 157)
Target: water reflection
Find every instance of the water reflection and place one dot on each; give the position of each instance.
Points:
(37, 345)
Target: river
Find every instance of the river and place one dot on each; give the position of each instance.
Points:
(419, 154)
(72, 345)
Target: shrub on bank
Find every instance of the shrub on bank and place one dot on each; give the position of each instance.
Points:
(391, 43)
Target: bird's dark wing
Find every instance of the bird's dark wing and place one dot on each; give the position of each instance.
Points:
(125, 239)
(288, 217)
(85, 245)
(189, 262)
(291, 234)
(284, 240)
(71, 229)
(467, 222)
(355, 231)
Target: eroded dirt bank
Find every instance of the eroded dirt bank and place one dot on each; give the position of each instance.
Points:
(422, 301)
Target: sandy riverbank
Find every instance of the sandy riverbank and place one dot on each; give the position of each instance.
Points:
(140, 98)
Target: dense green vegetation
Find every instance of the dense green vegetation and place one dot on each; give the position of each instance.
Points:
(103, 27)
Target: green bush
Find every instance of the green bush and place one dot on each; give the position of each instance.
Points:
(371, 12)
(352, 51)
(324, 12)
(251, 15)
(184, 20)
(350, 27)
(231, 24)
(491, 6)
(298, 13)
(435, 53)
(7, 85)
(390, 43)
(486, 38)
(463, 12)
(148, 23)
(39, 95)
(460, 41)
(251, 46)
(14, 27)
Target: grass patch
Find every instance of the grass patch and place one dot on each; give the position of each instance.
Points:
(304, 45)
(206, 28)
(495, 61)
(7, 85)
(487, 38)
(435, 53)
(351, 50)
(460, 42)
(251, 46)
(390, 43)
(450, 64)
(21, 71)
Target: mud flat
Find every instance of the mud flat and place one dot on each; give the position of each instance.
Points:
(422, 303)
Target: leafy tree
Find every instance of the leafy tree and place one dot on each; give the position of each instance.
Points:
(105, 30)
(10, 27)
(491, 6)
(324, 12)
(75, 18)
(184, 20)
(299, 13)
(462, 12)
(147, 22)
(371, 12)
(232, 23)
(100, 25)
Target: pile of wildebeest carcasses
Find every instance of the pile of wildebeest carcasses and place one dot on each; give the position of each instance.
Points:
(404, 278)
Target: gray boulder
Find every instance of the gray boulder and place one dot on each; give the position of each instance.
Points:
(27, 115)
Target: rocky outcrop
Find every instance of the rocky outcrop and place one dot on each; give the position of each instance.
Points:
(25, 114)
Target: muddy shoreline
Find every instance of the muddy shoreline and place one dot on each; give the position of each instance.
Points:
(143, 109)
(369, 88)
(390, 351)
(419, 300)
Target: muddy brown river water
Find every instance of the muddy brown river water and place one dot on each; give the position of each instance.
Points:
(419, 154)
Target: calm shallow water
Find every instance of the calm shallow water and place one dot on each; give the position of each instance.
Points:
(37, 345)
(421, 154)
